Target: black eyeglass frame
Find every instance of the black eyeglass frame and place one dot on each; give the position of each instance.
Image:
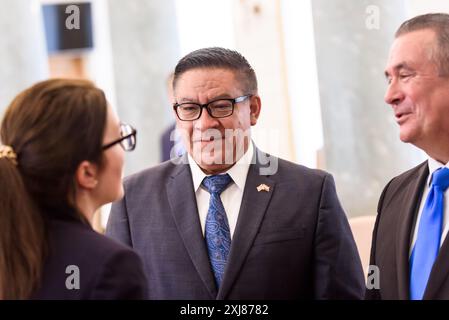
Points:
(209, 111)
(132, 134)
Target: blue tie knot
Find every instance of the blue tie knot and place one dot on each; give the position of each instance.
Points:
(216, 183)
(440, 178)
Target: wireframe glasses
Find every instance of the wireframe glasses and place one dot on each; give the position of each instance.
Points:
(128, 139)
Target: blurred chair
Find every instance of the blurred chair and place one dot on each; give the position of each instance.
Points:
(362, 229)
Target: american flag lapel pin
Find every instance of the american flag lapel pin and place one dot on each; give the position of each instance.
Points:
(263, 187)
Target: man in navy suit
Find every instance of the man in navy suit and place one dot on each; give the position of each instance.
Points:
(410, 244)
(225, 220)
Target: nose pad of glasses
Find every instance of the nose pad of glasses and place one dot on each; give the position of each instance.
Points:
(206, 120)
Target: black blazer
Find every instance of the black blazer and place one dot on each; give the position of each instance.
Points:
(290, 242)
(107, 269)
(397, 212)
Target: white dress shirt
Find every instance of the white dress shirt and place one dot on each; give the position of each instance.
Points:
(231, 196)
(433, 166)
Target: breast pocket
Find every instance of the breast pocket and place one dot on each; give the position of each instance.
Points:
(279, 235)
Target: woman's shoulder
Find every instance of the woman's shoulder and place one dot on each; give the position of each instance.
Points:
(83, 264)
(69, 235)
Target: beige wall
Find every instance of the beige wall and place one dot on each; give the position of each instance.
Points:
(259, 37)
(417, 7)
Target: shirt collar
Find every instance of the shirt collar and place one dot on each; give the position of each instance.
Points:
(434, 165)
(237, 172)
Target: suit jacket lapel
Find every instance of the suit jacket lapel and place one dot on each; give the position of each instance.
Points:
(184, 209)
(439, 272)
(252, 210)
(410, 205)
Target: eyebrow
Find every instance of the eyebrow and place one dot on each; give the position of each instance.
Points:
(221, 96)
(186, 100)
(398, 67)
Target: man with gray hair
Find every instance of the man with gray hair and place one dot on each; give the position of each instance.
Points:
(225, 220)
(410, 245)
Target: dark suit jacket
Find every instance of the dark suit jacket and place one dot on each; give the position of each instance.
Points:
(107, 269)
(397, 211)
(291, 242)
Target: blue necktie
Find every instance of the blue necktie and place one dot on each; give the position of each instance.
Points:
(217, 234)
(427, 243)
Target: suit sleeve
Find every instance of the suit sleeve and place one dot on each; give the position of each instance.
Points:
(338, 270)
(118, 223)
(121, 278)
(374, 294)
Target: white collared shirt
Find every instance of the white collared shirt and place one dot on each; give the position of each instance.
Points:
(231, 196)
(433, 166)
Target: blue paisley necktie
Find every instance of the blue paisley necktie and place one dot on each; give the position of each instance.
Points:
(217, 234)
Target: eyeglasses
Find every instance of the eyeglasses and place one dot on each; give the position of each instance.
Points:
(128, 139)
(220, 108)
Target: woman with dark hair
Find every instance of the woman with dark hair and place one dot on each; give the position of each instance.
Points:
(61, 158)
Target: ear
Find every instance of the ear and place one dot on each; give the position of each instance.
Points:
(87, 175)
(255, 107)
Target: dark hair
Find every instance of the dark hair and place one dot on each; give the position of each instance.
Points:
(439, 23)
(216, 57)
(52, 127)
